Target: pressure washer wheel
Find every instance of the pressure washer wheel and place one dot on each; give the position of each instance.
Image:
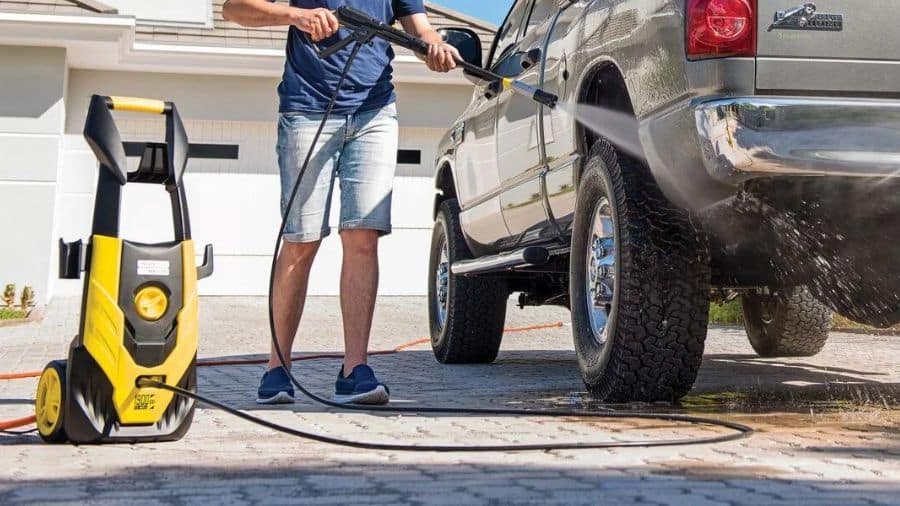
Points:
(639, 284)
(466, 314)
(50, 402)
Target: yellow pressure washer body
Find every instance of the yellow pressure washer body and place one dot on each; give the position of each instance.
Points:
(139, 306)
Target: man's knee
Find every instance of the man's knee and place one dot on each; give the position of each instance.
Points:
(360, 242)
(299, 252)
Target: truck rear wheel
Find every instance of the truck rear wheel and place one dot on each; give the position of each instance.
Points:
(788, 324)
(466, 314)
(639, 285)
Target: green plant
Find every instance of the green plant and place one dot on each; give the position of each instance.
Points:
(9, 295)
(27, 299)
(729, 313)
(11, 314)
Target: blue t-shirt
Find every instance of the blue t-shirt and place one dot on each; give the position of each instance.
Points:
(309, 81)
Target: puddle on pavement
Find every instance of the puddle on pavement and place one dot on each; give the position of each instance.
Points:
(868, 401)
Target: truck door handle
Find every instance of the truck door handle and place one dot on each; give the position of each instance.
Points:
(493, 89)
(531, 58)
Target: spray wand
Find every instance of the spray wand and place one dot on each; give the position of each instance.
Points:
(363, 28)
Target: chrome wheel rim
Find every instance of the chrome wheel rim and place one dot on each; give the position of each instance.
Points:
(442, 285)
(601, 271)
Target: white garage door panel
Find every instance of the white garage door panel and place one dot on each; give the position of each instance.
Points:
(255, 141)
(240, 213)
(256, 144)
(237, 213)
(404, 266)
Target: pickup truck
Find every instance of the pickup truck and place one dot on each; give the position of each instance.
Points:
(770, 139)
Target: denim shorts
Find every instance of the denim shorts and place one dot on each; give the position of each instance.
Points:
(360, 150)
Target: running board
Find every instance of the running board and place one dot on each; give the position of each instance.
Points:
(518, 259)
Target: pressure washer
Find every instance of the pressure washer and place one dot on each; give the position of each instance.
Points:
(139, 302)
(131, 373)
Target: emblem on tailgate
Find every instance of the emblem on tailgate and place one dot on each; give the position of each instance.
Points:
(805, 17)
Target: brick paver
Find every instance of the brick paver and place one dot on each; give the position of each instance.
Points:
(828, 425)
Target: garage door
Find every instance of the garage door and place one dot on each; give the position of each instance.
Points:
(234, 206)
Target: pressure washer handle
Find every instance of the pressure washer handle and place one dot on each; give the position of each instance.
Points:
(356, 20)
(135, 104)
(360, 22)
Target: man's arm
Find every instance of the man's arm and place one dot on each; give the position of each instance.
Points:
(318, 23)
(441, 56)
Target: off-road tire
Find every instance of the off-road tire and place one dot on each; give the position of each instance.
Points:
(476, 307)
(656, 343)
(794, 324)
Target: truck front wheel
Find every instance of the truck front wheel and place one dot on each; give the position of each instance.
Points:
(639, 285)
(466, 314)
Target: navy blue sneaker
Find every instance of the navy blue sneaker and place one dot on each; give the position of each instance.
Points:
(361, 387)
(275, 388)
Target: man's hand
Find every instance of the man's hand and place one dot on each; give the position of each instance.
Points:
(318, 23)
(442, 57)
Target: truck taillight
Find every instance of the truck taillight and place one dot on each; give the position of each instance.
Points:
(718, 28)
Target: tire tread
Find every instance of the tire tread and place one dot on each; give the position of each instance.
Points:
(476, 312)
(664, 273)
(800, 328)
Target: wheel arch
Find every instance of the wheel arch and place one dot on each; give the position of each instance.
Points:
(602, 85)
(444, 185)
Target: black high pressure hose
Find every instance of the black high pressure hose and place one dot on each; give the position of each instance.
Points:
(738, 430)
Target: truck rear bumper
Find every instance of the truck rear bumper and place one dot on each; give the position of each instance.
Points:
(744, 138)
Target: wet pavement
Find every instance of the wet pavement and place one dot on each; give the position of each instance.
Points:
(828, 427)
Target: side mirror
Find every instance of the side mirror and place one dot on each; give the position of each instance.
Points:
(465, 41)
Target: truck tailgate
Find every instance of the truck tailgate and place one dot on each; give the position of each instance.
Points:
(846, 46)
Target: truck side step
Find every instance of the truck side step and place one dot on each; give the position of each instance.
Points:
(521, 258)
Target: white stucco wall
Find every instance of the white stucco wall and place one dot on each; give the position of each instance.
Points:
(32, 114)
(234, 204)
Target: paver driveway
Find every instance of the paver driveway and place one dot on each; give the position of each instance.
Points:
(829, 426)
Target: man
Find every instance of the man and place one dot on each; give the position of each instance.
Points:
(359, 147)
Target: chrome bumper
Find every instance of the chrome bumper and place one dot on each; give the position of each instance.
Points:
(749, 137)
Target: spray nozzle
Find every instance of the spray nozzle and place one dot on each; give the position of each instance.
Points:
(538, 95)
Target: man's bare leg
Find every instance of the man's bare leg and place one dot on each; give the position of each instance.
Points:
(291, 282)
(359, 287)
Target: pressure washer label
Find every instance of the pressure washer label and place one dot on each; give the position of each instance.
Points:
(143, 402)
(153, 267)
